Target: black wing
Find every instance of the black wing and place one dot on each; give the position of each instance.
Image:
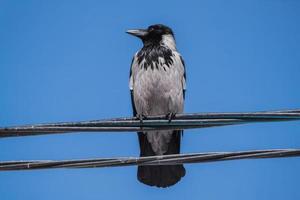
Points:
(184, 75)
(131, 91)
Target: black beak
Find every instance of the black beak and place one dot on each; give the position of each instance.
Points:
(138, 32)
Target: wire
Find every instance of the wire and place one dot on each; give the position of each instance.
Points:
(180, 122)
(174, 159)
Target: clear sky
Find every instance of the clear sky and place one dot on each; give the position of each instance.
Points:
(69, 61)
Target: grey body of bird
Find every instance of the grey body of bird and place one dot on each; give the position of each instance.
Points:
(158, 92)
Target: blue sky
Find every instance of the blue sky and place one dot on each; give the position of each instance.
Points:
(69, 61)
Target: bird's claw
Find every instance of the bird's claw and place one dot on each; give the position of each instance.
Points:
(141, 117)
(170, 116)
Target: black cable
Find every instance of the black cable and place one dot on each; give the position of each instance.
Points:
(152, 160)
(180, 122)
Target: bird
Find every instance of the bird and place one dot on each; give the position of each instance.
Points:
(157, 84)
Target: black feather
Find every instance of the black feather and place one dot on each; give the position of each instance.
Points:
(184, 74)
(151, 54)
(160, 176)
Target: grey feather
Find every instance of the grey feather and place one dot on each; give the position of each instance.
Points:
(158, 92)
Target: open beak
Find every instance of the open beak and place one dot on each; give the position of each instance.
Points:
(138, 32)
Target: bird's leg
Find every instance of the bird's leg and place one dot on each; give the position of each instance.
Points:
(170, 116)
(141, 117)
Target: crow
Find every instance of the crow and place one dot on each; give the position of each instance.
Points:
(157, 85)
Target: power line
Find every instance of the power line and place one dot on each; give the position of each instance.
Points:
(181, 121)
(133, 124)
(151, 160)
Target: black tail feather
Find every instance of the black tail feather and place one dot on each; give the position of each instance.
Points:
(160, 176)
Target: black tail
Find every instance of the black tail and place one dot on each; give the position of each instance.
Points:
(160, 176)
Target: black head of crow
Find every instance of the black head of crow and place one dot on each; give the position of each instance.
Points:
(157, 85)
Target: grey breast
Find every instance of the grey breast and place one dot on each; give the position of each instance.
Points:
(158, 91)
